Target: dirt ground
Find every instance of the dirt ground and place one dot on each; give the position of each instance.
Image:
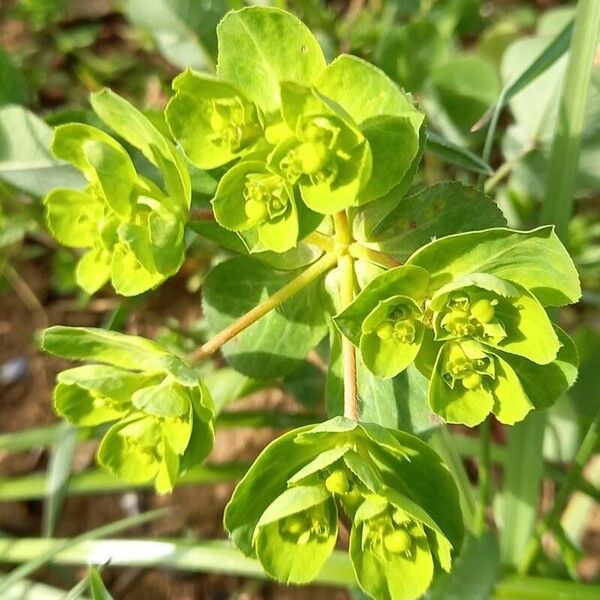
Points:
(198, 510)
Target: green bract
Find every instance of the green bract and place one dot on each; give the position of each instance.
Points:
(400, 498)
(132, 228)
(326, 155)
(259, 204)
(468, 310)
(212, 120)
(162, 413)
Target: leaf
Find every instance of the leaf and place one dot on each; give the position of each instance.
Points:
(545, 59)
(321, 462)
(394, 146)
(212, 120)
(474, 573)
(465, 86)
(166, 399)
(265, 481)
(364, 91)
(99, 591)
(544, 384)
(435, 212)
(400, 281)
(522, 487)
(282, 554)
(260, 47)
(278, 342)
(57, 477)
(94, 394)
(183, 31)
(535, 259)
(126, 351)
(128, 122)
(456, 155)
(101, 159)
(73, 216)
(25, 157)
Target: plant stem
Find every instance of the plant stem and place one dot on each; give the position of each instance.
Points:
(321, 241)
(380, 259)
(287, 291)
(484, 475)
(552, 518)
(564, 157)
(346, 273)
(346, 269)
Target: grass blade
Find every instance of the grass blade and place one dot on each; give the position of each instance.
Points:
(555, 49)
(564, 156)
(30, 590)
(41, 558)
(523, 478)
(57, 479)
(209, 556)
(538, 588)
(32, 487)
(455, 155)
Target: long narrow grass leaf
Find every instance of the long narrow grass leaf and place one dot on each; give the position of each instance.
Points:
(455, 155)
(41, 558)
(564, 156)
(57, 477)
(551, 53)
(209, 556)
(32, 487)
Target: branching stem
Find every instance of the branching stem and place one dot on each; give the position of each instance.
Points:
(319, 267)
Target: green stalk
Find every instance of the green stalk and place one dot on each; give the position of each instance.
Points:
(552, 518)
(343, 238)
(315, 270)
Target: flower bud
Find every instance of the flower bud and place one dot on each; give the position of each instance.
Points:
(255, 210)
(472, 380)
(337, 482)
(398, 541)
(385, 331)
(483, 310)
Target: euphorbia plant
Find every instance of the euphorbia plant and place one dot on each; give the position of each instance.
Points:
(313, 162)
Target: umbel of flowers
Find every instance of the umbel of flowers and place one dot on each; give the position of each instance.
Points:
(399, 498)
(468, 310)
(131, 226)
(161, 413)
